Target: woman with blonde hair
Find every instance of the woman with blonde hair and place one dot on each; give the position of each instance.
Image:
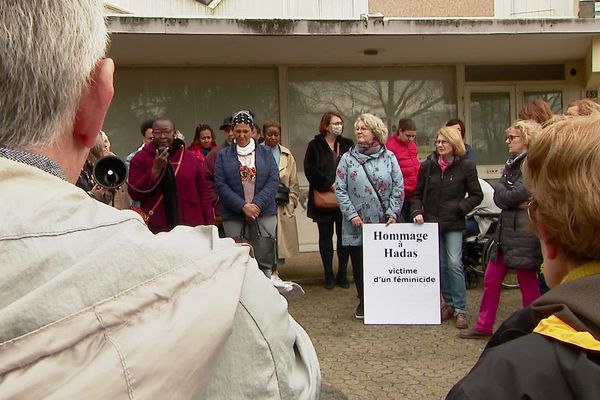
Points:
(369, 188)
(515, 245)
(447, 189)
(549, 350)
(582, 107)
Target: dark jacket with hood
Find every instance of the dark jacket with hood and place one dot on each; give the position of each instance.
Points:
(320, 164)
(519, 245)
(549, 350)
(444, 201)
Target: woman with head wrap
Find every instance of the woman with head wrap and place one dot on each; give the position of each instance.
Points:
(247, 178)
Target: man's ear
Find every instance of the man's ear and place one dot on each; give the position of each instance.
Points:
(94, 104)
(550, 249)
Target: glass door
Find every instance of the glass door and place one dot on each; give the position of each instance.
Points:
(489, 111)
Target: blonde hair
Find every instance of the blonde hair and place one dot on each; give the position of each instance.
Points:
(585, 106)
(562, 172)
(528, 129)
(452, 135)
(375, 124)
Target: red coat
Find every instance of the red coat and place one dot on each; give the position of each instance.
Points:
(408, 159)
(192, 195)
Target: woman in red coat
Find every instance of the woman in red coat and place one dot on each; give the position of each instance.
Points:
(168, 181)
(403, 145)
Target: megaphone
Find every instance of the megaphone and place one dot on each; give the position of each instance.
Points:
(110, 172)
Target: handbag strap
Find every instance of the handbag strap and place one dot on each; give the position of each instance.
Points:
(373, 186)
(426, 183)
(151, 212)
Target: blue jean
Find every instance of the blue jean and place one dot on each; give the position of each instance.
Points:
(452, 275)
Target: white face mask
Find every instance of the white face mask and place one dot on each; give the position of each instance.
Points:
(337, 129)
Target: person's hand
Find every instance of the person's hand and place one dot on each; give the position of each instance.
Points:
(390, 221)
(160, 162)
(251, 210)
(356, 222)
(100, 194)
(418, 219)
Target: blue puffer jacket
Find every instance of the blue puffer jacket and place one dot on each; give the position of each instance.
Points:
(229, 182)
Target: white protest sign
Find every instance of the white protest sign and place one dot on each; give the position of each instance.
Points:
(401, 274)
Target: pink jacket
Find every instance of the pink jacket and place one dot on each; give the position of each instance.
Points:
(408, 159)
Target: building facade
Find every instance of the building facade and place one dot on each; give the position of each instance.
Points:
(292, 60)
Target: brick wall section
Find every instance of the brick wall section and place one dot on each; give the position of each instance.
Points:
(433, 8)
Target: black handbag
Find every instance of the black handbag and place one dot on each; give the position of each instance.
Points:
(264, 248)
(283, 194)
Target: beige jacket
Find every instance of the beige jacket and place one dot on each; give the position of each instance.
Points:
(94, 306)
(287, 232)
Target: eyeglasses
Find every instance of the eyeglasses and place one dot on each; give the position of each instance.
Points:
(510, 138)
(442, 142)
(362, 129)
(337, 123)
(163, 133)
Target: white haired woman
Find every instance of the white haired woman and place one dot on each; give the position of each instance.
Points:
(447, 189)
(369, 189)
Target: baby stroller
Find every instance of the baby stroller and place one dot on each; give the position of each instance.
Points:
(476, 254)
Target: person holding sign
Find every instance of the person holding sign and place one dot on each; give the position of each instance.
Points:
(549, 350)
(369, 188)
(447, 189)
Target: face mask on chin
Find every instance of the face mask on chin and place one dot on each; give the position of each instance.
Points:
(337, 130)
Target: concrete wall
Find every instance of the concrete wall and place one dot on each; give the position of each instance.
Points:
(433, 8)
(260, 9)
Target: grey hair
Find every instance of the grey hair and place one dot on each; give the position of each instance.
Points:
(48, 50)
(375, 124)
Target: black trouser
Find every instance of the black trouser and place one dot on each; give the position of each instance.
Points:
(356, 255)
(326, 249)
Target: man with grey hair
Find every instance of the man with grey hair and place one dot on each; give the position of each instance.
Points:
(92, 304)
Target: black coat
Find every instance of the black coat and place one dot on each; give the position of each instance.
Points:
(319, 167)
(519, 364)
(445, 201)
(519, 245)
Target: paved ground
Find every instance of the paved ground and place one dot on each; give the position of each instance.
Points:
(381, 362)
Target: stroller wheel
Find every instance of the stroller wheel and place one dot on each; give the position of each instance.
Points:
(471, 279)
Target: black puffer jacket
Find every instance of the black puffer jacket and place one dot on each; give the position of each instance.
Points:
(548, 365)
(319, 168)
(445, 201)
(519, 245)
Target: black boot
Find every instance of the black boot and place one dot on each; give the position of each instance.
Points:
(329, 283)
(342, 278)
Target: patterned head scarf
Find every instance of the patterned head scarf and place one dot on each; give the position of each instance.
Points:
(242, 117)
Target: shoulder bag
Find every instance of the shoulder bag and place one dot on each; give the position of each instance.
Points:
(326, 201)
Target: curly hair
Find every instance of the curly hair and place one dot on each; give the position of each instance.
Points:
(375, 124)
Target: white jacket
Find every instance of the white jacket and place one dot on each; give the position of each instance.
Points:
(93, 305)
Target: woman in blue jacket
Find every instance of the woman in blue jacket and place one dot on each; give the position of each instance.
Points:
(247, 178)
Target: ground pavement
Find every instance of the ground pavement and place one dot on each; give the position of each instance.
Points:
(367, 362)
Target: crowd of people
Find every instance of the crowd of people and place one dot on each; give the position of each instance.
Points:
(178, 312)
